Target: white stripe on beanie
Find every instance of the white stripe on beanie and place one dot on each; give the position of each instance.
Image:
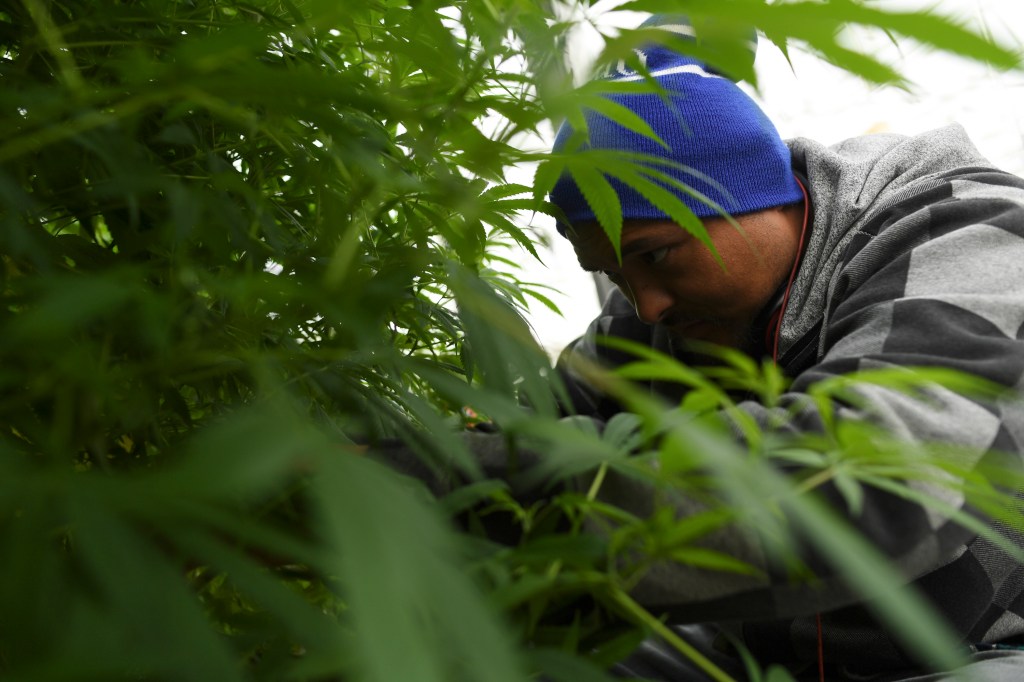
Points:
(695, 69)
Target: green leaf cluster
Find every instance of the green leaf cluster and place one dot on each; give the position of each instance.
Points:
(236, 238)
(243, 244)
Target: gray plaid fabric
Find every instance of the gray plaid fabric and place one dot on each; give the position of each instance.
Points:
(916, 258)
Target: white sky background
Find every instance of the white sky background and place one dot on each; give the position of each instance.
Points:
(814, 100)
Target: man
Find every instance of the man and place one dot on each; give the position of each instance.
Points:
(883, 251)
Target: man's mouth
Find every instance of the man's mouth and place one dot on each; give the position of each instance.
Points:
(686, 327)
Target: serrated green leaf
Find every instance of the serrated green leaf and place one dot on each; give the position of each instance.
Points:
(667, 202)
(603, 201)
(777, 673)
(548, 303)
(564, 667)
(623, 431)
(624, 116)
(852, 492)
(572, 550)
(711, 560)
(545, 177)
(690, 528)
(467, 496)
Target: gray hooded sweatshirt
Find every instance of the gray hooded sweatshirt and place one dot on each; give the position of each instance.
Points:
(915, 258)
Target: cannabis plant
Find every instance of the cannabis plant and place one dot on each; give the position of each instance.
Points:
(247, 249)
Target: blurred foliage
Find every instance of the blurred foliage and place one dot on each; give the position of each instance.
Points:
(241, 241)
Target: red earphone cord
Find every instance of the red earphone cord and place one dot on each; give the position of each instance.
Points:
(775, 358)
(792, 273)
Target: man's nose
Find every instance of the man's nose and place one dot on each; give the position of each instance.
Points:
(652, 302)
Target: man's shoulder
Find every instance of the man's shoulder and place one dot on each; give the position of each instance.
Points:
(884, 160)
(852, 181)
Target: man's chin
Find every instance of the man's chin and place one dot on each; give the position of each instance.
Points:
(702, 340)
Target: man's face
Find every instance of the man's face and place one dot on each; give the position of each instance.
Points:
(672, 278)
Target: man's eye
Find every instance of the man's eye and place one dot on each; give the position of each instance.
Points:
(655, 256)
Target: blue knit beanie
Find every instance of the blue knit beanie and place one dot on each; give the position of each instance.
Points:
(710, 126)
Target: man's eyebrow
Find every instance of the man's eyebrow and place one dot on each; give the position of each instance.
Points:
(640, 245)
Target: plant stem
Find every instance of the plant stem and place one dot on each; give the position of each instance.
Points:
(595, 485)
(642, 615)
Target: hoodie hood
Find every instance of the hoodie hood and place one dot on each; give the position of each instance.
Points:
(850, 183)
